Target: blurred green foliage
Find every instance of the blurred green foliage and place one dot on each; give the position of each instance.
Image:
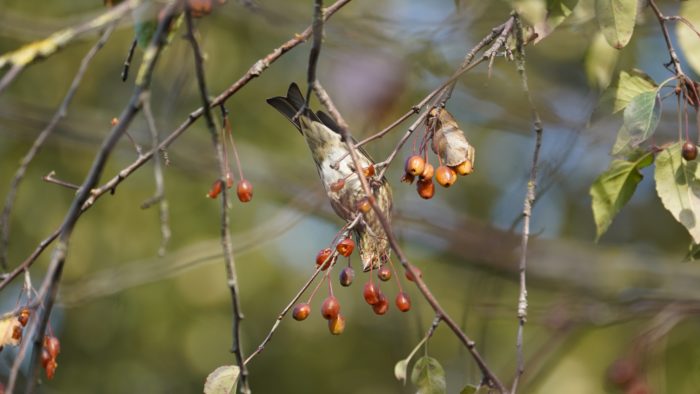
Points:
(131, 322)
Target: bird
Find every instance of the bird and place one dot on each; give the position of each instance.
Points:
(339, 176)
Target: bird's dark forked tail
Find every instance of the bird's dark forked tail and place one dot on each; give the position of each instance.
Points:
(291, 105)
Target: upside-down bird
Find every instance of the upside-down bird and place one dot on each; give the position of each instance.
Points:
(339, 175)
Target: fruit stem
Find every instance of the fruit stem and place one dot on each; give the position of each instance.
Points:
(396, 275)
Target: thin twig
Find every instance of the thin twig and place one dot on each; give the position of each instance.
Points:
(527, 204)
(39, 142)
(159, 195)
(51, 179)
(317, 33)
(489, 376)
(110, 186)
(226, 244)
(49, 287)
(127, 61)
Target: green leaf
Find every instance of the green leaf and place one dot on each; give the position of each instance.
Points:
(544, 15)
(223, 380)
(401, 366)
(429, 376)
(600, 62)
(616, 19)
(469, 389)
(688, 40)
(678, 186)
(614, 188)
(641, 118)
(628, 86)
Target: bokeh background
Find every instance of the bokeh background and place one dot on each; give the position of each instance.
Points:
(130, 321)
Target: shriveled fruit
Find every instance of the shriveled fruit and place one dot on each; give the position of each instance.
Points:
(410, 276)
(382, 305)
(426, 188)
(345, 247)
(23, 317)
(464, 168)
(52, 345)
(428, 171)
(51, 369)
(384, 273)
(336, 325)
(445, 176)
(244, 190)
(17, 333)
(408, 178)
(415, 165)
(689, 151)
(347, 275)
(403, 302)
(215, 189)
(330, 308)
(45, 358)
(371, 293)
(301, 311)
(324, 257)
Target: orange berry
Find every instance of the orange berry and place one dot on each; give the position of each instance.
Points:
(215, 189)
(301, 311)
(368, 171)
(51, 369)
(336, 325)
(324, 257)
(403, 302)
(384, 273)
(415, 165)
(114, 122)
(410, 276)
(364, 205)
(445, 176)
(199, 8)
(345, 247)
(337, 186)
(428, 171)
(426, 188)
(45, 358)
(244, 190)
(17, 333)
(371, 293)
(382, 305)
(464, 168)
(52, 345)
(23, 317)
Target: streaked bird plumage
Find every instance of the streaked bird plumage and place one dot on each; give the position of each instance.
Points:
(333, 162)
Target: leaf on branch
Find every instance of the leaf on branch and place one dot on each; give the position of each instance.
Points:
(628, 86)
(688, 40)
(614, 188)
(544, 16)
(471, 389)
(678, 186)
(429, 376)
(600, 62)
(616, 19)
(641, 117)
(223, 380)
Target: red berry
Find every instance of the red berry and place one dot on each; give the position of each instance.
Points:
(384, 273)
(336, 325)
(215, 189)
(114, 122)
(324, 257)
(199, 8)
(689, 151)
(368, 171)
(229, 180)
(347, 275)
(45, 358)
(371, 293)
(23, 317)
(330, 308)
(418, 272)
(301, 311)
(337, 186)
(445, 176)
(52, 345)
(244, 190)
(428, 171)
(345, 247)
(415, 165)
(403, 302)
(381, 306)
(51, 369)
(622, 372)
